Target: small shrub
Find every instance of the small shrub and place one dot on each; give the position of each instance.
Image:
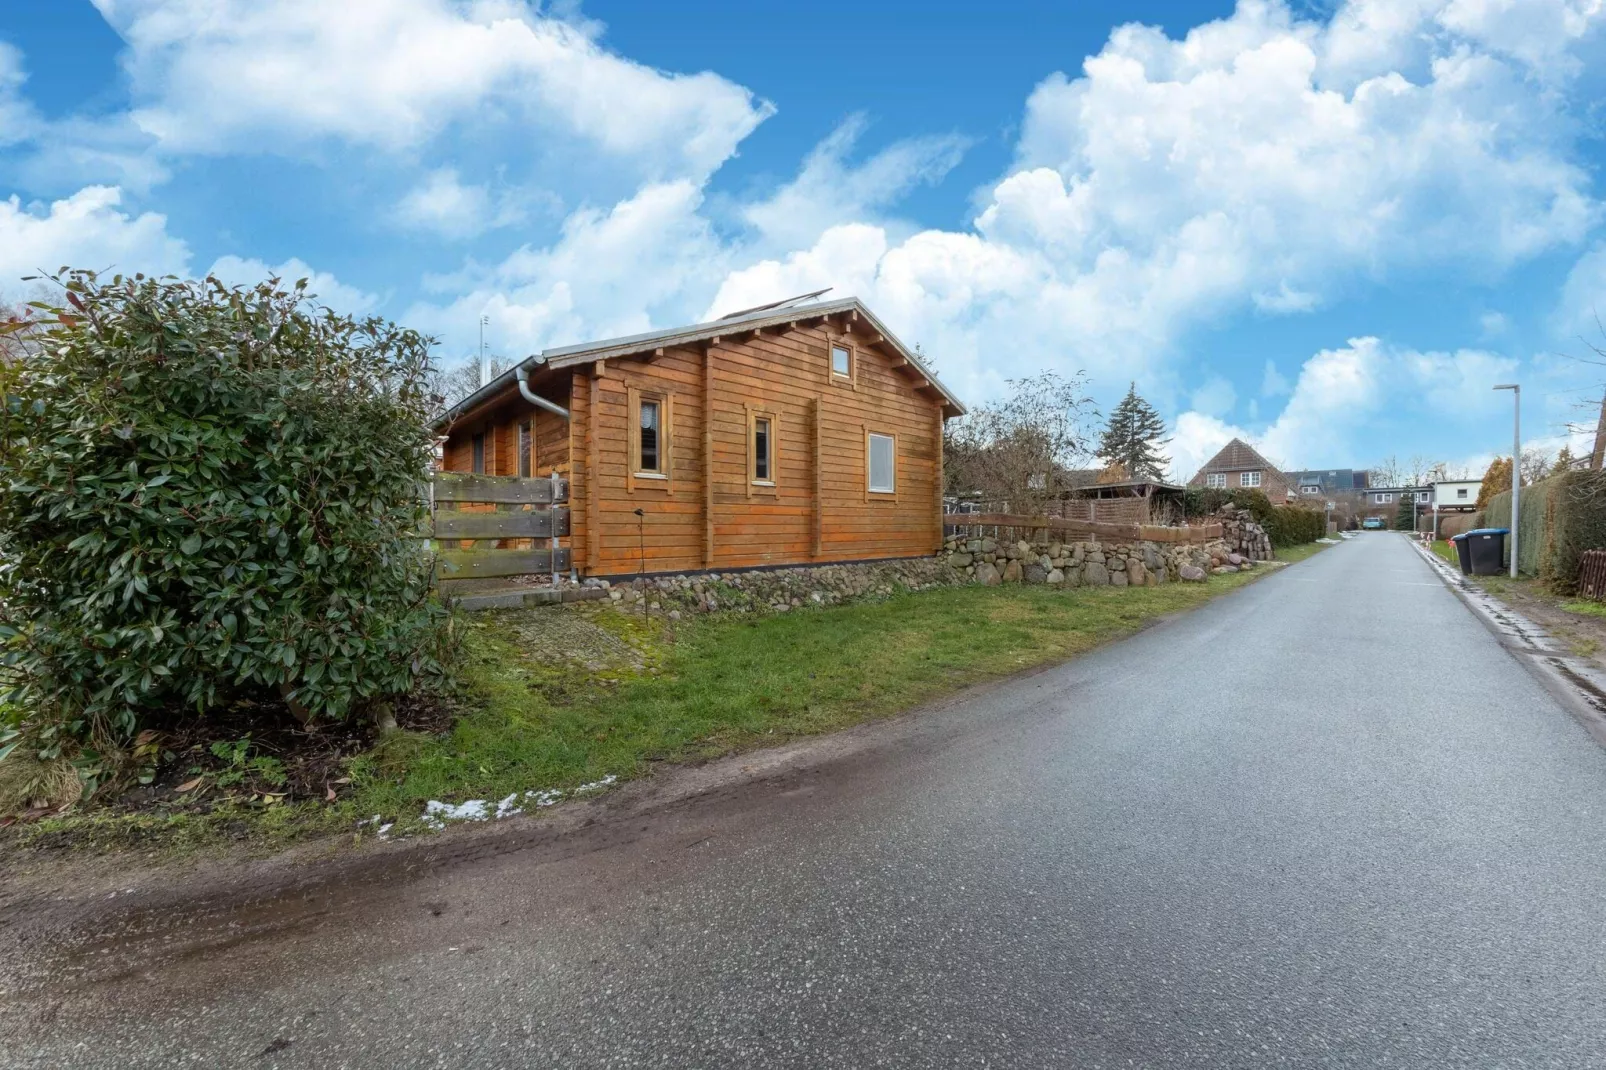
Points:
(1203, 501)
(1293, 525)
(208, 494)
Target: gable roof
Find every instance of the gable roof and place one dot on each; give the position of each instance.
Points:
(1236, 456)
(765, 316)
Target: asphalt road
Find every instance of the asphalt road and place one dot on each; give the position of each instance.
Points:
(1324, 821)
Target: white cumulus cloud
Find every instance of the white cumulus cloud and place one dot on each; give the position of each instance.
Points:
(1337, 395)
(88, 229)
(219, 75)
(322, 286)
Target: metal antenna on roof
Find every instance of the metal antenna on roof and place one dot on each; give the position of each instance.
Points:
(485, 365)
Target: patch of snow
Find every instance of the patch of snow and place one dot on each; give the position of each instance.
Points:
(437, 814)
(1328, 542)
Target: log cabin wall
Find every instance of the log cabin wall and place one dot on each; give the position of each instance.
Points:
(500, 424)
(819, 508)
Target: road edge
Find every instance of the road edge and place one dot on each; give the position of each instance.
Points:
(1579, 685)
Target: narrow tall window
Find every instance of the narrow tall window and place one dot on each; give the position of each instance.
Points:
(883, 464)
(651, 423)
(761, 448)
(524, 449)
(479, 454)
(842, 362)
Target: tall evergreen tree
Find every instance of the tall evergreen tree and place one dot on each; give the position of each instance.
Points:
(1133, 437)
(1405, 515)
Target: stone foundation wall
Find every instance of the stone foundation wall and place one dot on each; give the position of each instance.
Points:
(782, 589)
(975, 560)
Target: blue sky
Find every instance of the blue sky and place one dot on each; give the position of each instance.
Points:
(1328, 227)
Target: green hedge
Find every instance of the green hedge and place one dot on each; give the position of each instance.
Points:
(1559, 519)
(1203, 501)
(1288, 525)
(212, 495)
(1293, 525)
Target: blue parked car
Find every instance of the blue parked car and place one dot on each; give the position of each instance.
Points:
(1373, 523)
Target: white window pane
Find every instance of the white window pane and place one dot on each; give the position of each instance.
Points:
(881, 464)
(840, 361)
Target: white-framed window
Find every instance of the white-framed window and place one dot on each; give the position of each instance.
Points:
(1382, 499)
(651, 436)
(1423, 496)
(1216, 479)
(1249, 479)
(882, 468)
(1461, 492)
(1310, 490)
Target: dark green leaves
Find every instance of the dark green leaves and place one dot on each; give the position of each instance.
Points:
(210, 493)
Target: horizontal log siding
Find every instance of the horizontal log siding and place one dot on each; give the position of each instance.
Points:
(783, 374)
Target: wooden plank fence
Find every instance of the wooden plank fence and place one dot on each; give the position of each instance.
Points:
(498, 510)
(998, 523)
(1592, 574)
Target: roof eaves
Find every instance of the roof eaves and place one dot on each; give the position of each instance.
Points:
(628, 345)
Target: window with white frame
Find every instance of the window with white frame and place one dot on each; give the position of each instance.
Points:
(1382, 499)
(648, 453)
(1249, 479)
(883, 451)
(1216, 479)
(1461, 492)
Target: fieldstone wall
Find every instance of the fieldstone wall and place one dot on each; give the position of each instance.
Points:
(964, 560)
(1242, 535)
(782, 589)
(1090, 562)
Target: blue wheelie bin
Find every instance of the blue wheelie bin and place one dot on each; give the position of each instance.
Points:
(1486, 548)
(1463, 552)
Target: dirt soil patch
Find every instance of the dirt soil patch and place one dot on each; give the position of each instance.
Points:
(1583, 632)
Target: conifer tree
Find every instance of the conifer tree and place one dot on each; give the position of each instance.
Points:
(1405, 515)
(1133, 437)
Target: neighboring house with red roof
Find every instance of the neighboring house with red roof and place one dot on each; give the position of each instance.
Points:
(1239, 466)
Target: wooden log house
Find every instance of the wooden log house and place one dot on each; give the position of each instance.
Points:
(796, 433)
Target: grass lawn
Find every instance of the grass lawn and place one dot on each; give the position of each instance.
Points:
(1295, 554)
(703, 687)
(728, 682)
(1446, 549)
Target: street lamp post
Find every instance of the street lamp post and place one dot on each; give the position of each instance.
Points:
(1516, 463)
